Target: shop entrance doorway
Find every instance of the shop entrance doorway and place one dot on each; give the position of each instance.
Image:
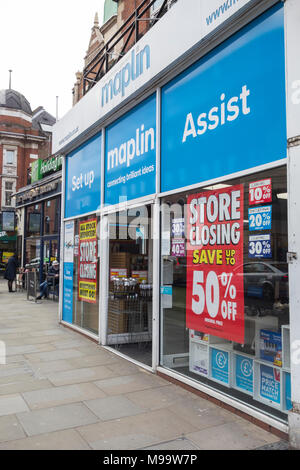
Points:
(129, 322)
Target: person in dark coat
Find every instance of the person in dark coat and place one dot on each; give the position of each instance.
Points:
(11, 271)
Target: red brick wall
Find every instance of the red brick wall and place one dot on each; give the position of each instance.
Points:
(128, 7)
(20, 136)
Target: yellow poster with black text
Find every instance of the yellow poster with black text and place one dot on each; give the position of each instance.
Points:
(87, 261)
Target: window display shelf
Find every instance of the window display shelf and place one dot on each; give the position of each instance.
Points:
(221, 362)
(125, 338)
(267, 363)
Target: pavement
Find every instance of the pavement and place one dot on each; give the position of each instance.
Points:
(61, 391)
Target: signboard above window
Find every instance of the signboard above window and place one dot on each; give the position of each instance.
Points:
(42, 168)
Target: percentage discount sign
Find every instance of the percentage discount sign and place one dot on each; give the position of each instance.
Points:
(260, 218)
(215, 286)
(260, 192)
(260, 246)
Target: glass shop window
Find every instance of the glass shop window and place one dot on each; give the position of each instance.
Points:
(225, 289)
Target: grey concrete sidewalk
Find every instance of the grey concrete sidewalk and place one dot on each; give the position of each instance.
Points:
(59, 390)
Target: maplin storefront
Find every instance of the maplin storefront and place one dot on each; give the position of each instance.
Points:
(180, 228)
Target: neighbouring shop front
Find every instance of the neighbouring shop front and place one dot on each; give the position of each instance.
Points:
(39, 213)
(8, 238)
(175, 220)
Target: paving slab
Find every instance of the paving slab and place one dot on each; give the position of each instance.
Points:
(12, 404)
(10, 429)
(202, 413)
(53, 355)
(25, 349)
(100, 358)
(159, 397)
(56, 396)
(86, 374)
(123, 367)
(43, 369)
(56, 418)
(130, 383)
(60, 440)
(135, 432)
(110, 408)
(237, 435)
(177, 444)
(24, 386)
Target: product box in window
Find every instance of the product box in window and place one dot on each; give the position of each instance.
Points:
(198, 335)
(271, 347)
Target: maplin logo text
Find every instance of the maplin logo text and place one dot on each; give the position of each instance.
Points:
(140, 61)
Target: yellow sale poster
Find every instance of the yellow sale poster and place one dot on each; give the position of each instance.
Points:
(87, 261)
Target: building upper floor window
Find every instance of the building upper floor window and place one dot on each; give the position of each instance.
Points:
(9, 157)
(8, 189)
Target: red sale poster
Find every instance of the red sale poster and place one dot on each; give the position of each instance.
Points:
(215, 286)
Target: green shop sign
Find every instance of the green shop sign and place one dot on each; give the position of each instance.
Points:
(41, 168)
(35, 171)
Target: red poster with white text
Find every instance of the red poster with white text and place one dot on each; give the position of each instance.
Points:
(215, 285)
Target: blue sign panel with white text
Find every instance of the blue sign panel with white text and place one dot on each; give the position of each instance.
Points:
(227, 112)
(130, 157)
(83, 179)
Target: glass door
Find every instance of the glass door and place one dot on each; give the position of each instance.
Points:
(50, 251)
(130, 283)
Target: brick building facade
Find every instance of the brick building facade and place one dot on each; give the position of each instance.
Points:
(126, 23)
(25, 136)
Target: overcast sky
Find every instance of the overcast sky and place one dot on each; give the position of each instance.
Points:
(44, 43)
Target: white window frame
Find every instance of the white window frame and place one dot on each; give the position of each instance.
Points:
(14, 162)
(4, 191)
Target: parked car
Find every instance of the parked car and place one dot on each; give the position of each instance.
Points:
(33, 263)
(266, 280)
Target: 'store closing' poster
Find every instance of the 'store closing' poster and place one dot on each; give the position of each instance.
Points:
(215, 286)
(87, 261)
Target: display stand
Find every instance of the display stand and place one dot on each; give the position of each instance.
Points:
(267, 381)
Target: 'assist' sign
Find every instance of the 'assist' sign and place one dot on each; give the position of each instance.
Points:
(215, 286)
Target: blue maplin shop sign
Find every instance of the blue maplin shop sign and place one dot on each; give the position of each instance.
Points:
(130, 157)
(83, 179)
(227, 112)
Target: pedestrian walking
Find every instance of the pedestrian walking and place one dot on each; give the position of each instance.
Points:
(11, 271)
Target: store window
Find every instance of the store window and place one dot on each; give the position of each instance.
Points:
(33, 237)
(81, 273)
(130, 283)
(224, 294)
(33, 220)
(52, 216)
